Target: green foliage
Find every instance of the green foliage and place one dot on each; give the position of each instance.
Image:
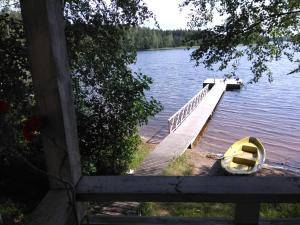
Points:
(109, 98)
(282, 210)
(10, 213)
(139, 155)
(267, 30)
(14, 76)
(272, 211)
(17, 90)
(149, 209)
(199, 209)
(146, 38)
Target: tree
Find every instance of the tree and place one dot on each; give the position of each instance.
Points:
(261, 30)
(109, 98)
(16, 105)
(168, 39)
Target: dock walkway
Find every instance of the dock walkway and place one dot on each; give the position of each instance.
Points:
(178, 141)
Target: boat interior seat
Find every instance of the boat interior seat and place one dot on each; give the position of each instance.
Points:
(244, 158)
(249, 148)
(243, 161)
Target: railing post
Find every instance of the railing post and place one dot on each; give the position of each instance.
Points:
(246, 214)
(187, 109)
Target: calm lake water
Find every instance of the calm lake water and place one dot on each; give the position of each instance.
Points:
(270, 112)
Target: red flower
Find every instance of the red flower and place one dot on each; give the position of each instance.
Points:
(4, 106)
(32, 128)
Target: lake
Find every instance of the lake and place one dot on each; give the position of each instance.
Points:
(269, 111)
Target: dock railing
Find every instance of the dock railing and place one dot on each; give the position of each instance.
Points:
(176, 120)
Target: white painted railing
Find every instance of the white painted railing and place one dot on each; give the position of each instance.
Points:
(176, 120)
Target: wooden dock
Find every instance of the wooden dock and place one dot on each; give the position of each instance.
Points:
(184, 135)
(231, 84)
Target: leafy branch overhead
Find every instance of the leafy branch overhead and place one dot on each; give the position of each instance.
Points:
(261, 30)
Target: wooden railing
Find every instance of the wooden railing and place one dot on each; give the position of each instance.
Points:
(61, 205)
(176, 120)
(246, 192)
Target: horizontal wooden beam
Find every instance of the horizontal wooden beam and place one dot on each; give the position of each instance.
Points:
(235, 189)
(56, 208)
(139, 220)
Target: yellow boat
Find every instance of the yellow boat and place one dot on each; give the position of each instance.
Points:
(245, 156)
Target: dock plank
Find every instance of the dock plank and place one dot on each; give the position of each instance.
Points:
(176, 143)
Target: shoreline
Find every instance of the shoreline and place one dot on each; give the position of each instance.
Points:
(206, 163)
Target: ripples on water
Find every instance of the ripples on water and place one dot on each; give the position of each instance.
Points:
(270, 112)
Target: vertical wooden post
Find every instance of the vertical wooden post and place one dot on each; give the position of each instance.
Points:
(246, 214)
(44, 27)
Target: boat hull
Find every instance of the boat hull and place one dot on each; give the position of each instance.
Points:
(245, 156)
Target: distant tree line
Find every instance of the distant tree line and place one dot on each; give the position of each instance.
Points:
(146, 38)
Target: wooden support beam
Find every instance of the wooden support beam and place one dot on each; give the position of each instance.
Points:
(55, 209)
(190, 189)
(246, 214)
(44, 27)
(140, 220)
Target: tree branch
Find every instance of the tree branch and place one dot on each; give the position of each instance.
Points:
(271, 16)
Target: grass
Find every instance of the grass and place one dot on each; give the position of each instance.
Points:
(182, 167)
(150, 209)
(270, 211)
(186, 209)
(282, 210)
(179, 167)
(139, 156)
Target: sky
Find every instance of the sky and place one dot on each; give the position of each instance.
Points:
(167, 14)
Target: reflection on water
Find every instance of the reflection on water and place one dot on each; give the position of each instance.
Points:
(270, 112)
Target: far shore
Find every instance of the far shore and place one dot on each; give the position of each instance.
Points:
(167, 48)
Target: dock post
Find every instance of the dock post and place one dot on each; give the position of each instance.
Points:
(246, 214)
